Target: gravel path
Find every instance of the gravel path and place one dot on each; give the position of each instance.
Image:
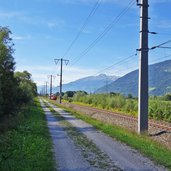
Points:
(160, 135)
(67, 156)
(125, 157)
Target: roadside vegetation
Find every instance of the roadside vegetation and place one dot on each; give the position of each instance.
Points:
(159, 154)
(24, 139)
(16, 89)
(26, 145)
(159, 107)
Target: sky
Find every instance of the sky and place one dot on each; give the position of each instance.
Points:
(43, 30)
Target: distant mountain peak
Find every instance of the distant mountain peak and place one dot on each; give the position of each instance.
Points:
(159, 81)
(89, 84)
(102, 75)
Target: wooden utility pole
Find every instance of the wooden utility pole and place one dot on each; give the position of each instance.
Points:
(143, 69)
(61, 69)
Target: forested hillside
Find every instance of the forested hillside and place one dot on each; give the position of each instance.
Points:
(159, 81)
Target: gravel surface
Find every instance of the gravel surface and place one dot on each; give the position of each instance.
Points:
(67, 156)
(157, 134)
(125, 157)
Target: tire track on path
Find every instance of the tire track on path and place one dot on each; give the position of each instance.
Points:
(125, 157)
(67, 156)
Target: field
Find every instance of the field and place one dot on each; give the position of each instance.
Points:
(158, 108)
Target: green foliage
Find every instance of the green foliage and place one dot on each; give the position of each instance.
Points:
(28, 145)
(1, 99)
(14, 91)
(7, 81)
(79, 96)
(70, 93)
(167, 97)
(130, 96)
(158, 109)
(26, 87)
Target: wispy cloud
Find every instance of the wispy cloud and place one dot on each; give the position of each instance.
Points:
(39, 73)
(14, 37)
(9, 14)
(57, 23)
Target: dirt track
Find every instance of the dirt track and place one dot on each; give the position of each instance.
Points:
(122, 156)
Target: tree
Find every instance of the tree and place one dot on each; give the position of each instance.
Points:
(167, 97)
(7, 66)
(130, 96)
(1, 100)
(26, 87)
(70, 93)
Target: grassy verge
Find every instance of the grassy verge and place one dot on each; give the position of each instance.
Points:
(27, 146)
(158, 153)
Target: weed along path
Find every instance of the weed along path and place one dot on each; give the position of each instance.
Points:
(72, 151)
(67, 157)
(101, 152)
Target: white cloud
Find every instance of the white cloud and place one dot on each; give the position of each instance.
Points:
(52, 24)
(14, 37)
(40, 73)
(9, 14)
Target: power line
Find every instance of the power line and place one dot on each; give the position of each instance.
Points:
(93, 11)
(106, 30)
(156, 60)
(161, 45)
(164, 34)
(151, 62)
(119, 62)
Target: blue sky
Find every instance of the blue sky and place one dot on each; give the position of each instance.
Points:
(44, 29)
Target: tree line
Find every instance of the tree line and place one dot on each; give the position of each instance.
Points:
(16, 88)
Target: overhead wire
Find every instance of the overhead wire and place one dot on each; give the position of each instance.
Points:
(106, 30)
(119, 62)
(135, 67)
(92, 12)
(161, 45)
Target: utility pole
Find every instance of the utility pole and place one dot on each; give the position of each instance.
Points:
(61, 69)
(143, 69)
(50, 76)
(46, 83)
(44, 90)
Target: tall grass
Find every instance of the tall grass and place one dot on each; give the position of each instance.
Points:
(27, 145)
(158, 109)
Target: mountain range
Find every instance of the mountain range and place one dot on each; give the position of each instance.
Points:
(159, 81)
(89, 84)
